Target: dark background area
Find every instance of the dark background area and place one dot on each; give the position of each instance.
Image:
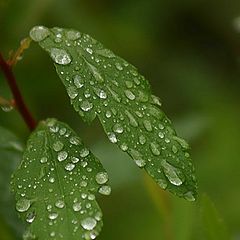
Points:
(189, 51)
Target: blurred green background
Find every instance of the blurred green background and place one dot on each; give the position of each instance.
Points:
(189, 50)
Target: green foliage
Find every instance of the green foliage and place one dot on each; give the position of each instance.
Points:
(56, 183)
(10, 156)
(214, 225)
(101, 84)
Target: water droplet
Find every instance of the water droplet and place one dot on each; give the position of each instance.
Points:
(112, 137)
(174, 149)
(129, 84)
(100, 93)
(142, 96)
(84, 152)
(43, 160)
(137, 157)
(62, 156)
(181, 141)
(105, 190)
(148, 126)
(30, 217)
(60, 56)
(75, 140)
(101, 177)
(72, 92)
(53, 216)
(142, 139)
(89, 50)
(129, 94)
(105, 53)
(108, 114)
(7, 108)
(155, 148)
(70, 166)
(23, 205)
(117, 128)
(39, 33)
(73, 35)
(119, 66)
(60, 204)
(124, 147)
(86, 106)
(172, 173)
(77, 207)
(51, 179)
(156, 100)
(162, 183)
(133, 122)
(78, 81)
(161, 135)
(75, 160)
(58, 146)
(189, 196)
(89, 223)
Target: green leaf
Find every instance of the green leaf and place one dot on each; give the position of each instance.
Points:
(101, 84)
(10, 156)
(55, 185)
(214, 225)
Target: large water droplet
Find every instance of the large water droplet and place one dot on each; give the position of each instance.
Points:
(60, 56)
(84, 152)
(30, 217)
(78, 81)
(73, 35)
(70, 166)
(105, 190)
(129, 94)
(58, 146)
(77, 206)
(62, 156)
(23, 205)
(86, 106)
(101, 177)
(155, 148)
(72, 92)
(60, 204)
(137, 157)
(171, 173)
(39, 33)
(133, 122)
(148, 126)
(117, 128)
(53, 216)
(112, 137)
(89, 223)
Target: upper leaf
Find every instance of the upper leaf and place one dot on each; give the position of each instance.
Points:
(55, 185)
(99, 83)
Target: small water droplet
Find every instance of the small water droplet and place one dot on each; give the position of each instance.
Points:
(60, 56)
(101, 177)
(7, 108)
(142, 139)
(189, 196)
(39, 33)
(124, 147)
(155, 148)
(182, 142)
(133, 122)
(174, 149)
(43, 160)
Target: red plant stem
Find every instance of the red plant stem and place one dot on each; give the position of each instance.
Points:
(20, 104)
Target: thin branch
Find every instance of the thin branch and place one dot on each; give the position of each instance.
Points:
(20, 104)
